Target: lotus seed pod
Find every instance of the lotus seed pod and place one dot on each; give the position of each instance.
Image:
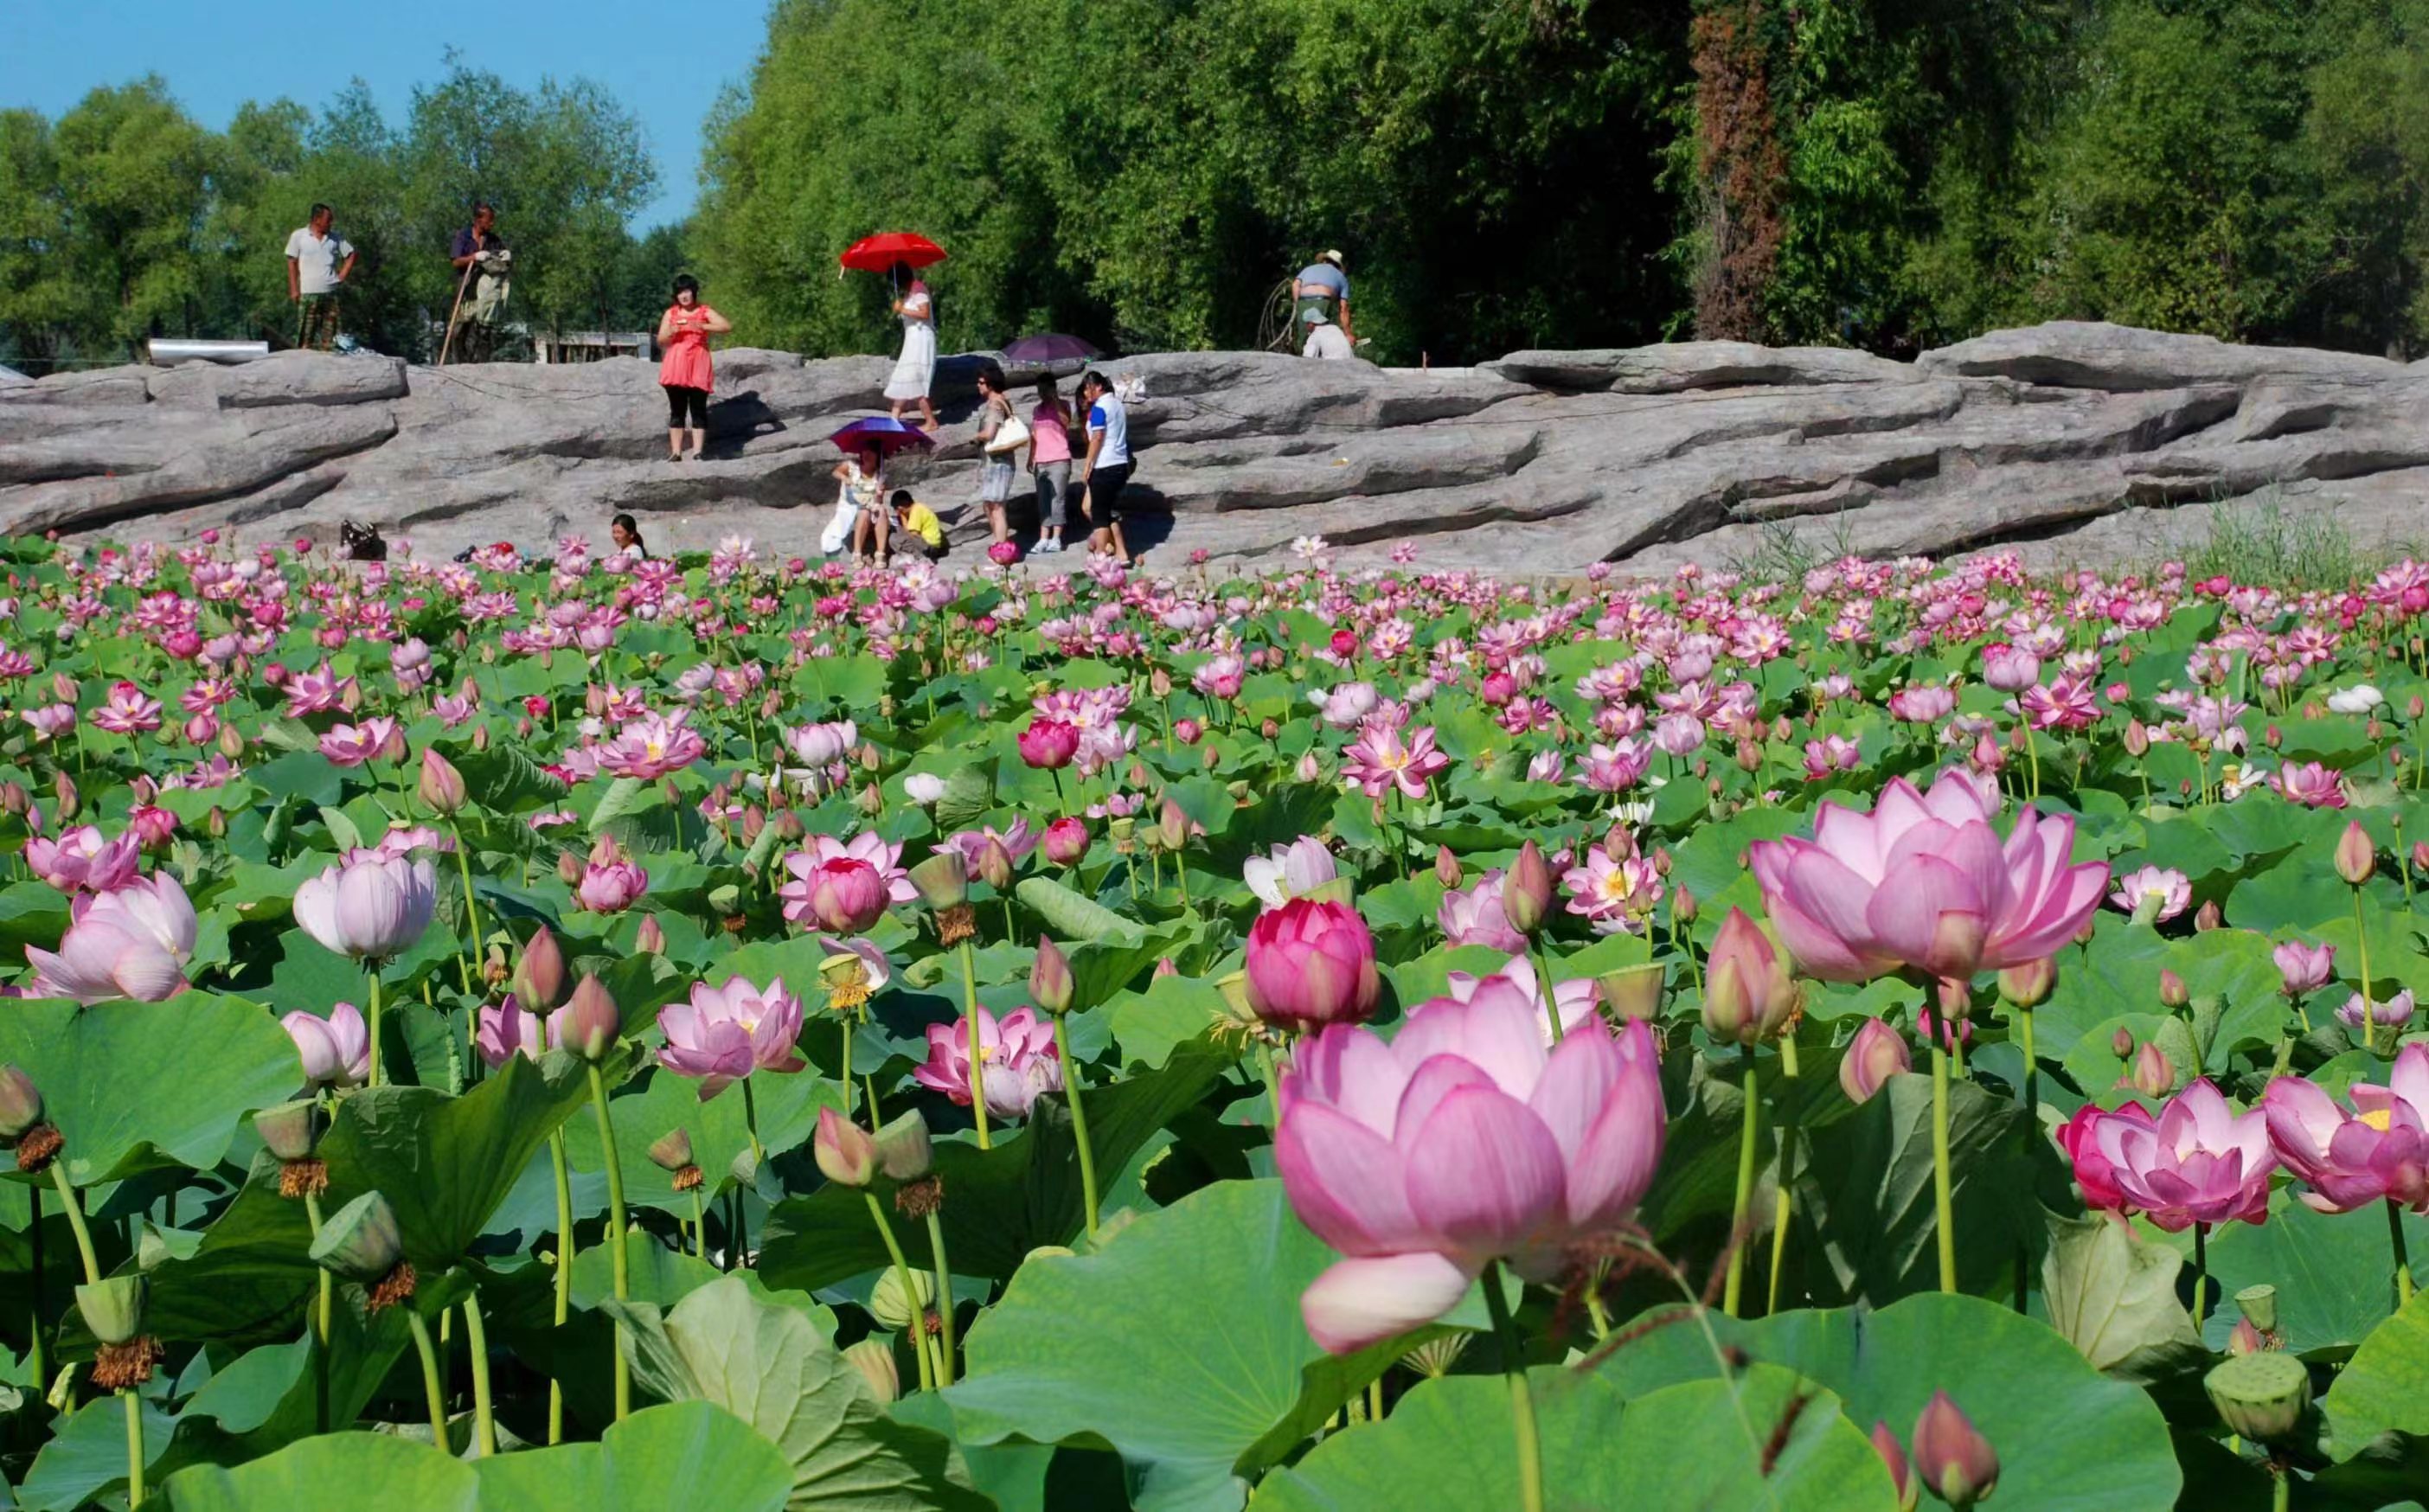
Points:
(360, 1241)
(2260, 1305)
(943, 879)
(1632, 991)
(874, 1360)
(887, 1301)
(2261, 1396)
(1234, 988)
(113, 1307)
(905, 1152)
(671, 1151)
(290, 1131)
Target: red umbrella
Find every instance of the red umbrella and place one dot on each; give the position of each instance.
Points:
(880, 252)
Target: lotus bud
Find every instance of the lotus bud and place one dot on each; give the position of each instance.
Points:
(589, 1021)
(539, 972)
(995, 864)
(290, 1131)
(2028, 986)
(64, 791)
(1309, 769)
(2245, 1339)
(568, 868)
(754, 819)
(2154, 1075)
(21, 1103)
(670, 1152)
(2137, 739)
(2121, 1044)
(942, 879)
(874, 1360)
(650, 938)
(870, 802)
(13, 798)
(1873, 1056)
(231, 743)
(1748, 995)
(2259, 1305)
(63, 688)
(1172, 825)
(845, 1152)
(2261, 1396)
(904, 1151)
(2206, 917)
(1951, 1457)
(789, 828)
(113, 1307)
(1049, 978)
(891, 1305)
(1159, 682)
(2172, 989)
(1136, 776)
(442, 785)
(1620, 844)
(1446, 869)
(2356, 855)
(1270, 728)
(1526, 890)
(360, 1241)
(215, 823)
(1632, 991)
(1885, 1443)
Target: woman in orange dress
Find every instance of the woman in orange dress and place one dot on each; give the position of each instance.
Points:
(686, 374)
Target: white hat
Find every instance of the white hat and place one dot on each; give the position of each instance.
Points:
(1332, 257)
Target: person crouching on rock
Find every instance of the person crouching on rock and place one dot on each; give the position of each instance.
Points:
(863, 492)
(914, 521)
(1322, 308)
(686, 372)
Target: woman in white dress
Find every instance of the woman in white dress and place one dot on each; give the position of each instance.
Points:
(916, 368)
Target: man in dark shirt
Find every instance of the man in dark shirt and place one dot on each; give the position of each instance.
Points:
(480, 281)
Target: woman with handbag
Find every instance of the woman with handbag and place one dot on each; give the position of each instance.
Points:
(1001, 434)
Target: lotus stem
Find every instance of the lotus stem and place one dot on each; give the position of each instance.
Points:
(430, 1387)
(328, 1277)
(618, 1248)
(1273, 1082)
(919, 1319)
(1079, 1122)
(1735, 1285)
(699, 1226)
(847, 1027)
(2201, 1270)
(1782, 1204)
(1551, 997)
(35, 1353)
(134, 1403)
(2368, 1025)
(371, 970)
(2403, 1260)
(564, 1272)
(471, 905)
(1944, 1211)
(978, 1062)
(75, 1224)
(946, 1344)
(750, 1124)
(1522, 1404)
(476, 1339)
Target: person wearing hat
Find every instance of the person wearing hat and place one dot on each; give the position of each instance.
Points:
(1321, 292)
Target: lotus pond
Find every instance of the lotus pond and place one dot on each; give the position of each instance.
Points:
(589, 1033)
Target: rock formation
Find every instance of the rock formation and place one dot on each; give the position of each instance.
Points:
(2079, 442)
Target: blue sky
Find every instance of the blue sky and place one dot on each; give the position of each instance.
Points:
(665, 59)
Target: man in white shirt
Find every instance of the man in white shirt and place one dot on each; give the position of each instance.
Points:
(318, 261)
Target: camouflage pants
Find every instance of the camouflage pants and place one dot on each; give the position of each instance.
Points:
(316, 322)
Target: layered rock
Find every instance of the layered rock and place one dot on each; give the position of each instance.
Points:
(2072, 442)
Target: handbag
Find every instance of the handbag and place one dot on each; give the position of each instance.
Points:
(1011, 435)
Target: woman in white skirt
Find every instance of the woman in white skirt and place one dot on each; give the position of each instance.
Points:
(994, 469)
(916, 369)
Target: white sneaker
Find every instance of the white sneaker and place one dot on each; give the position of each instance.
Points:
(1047, 548)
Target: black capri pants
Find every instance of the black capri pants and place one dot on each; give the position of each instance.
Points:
(682, 401)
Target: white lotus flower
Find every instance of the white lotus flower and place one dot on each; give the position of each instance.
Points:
(2359, 699)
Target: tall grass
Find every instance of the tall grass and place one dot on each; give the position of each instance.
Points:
(2260, 540)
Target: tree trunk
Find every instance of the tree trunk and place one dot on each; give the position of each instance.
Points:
(1743, 171)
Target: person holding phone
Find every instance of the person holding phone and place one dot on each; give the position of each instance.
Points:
(686, 372)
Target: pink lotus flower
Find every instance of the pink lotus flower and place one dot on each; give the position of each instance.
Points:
(1618, 895)
(379, 739)
(2009, 668)
(1872, 1057)
(507, 1029)
(2385, 1013)
(82, 860)
(1310, 964)
(1922, 882)
(2305, 968)
(886, 855)
(1380, 760)
(1065, 841)
(844, 895)
(1925, 703)
(1049, 743)
(336, 1050)
(1017, 842)
(652, 747)
(317, 692)
(2080, 1139)
(1515, 978)
(1831, 754)
(1473, 915)
(2310, 785)
(371, 907)
(1289, 871)
(50, 721)
(130, 942)
(1018, 1054)
(610, 887)
(2200, 1162)
(2172, 888)
(2378, 1150)
(127, 711)
(728, 1031)
(1460, 1141)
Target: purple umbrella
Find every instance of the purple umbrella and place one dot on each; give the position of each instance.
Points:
(1048, 348)
(882, 432)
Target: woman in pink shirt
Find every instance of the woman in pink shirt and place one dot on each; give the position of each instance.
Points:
(1049, 463)
(686, 374)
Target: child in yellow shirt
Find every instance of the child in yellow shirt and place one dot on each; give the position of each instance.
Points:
(913, 518)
